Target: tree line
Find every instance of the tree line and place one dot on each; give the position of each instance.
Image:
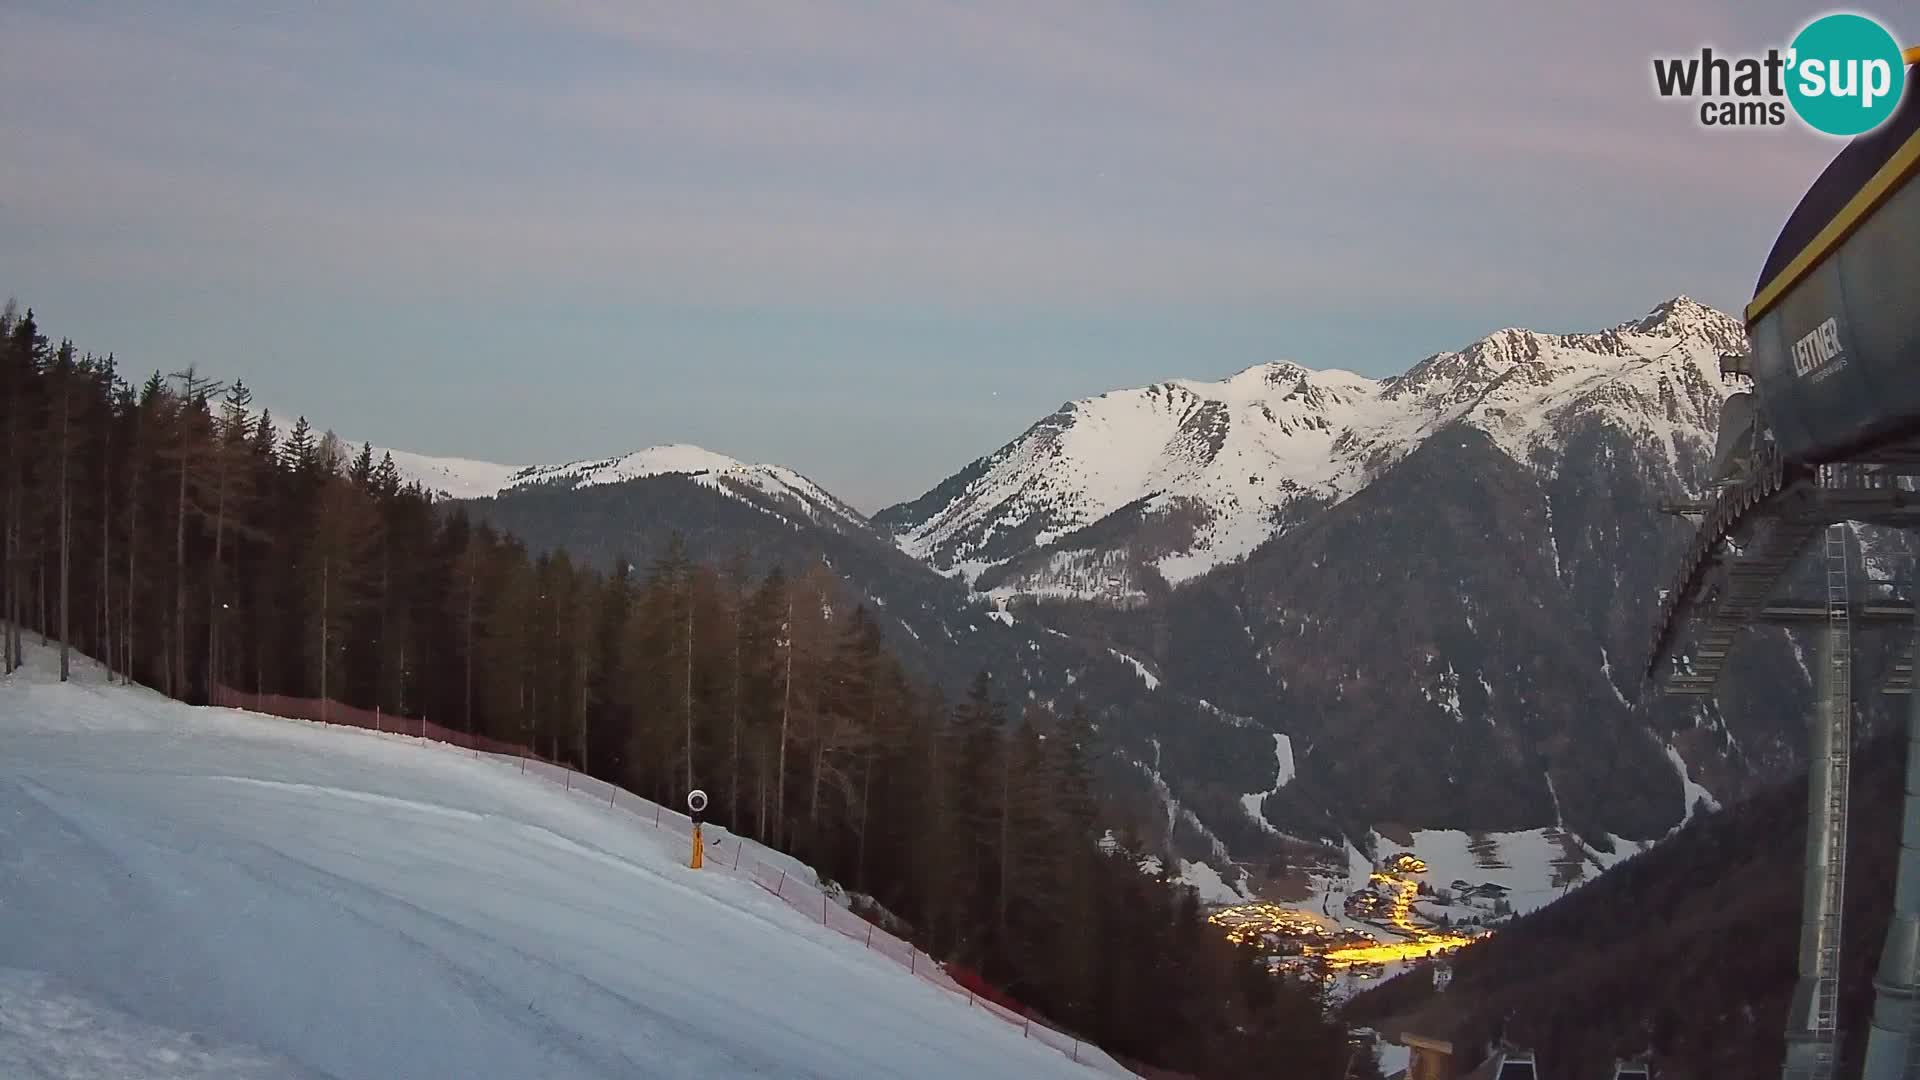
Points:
(184, 540)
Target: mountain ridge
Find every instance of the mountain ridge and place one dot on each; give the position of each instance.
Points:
(1222, 464)
(1449, 567)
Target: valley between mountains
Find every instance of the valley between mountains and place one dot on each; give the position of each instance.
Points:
(1317, 618)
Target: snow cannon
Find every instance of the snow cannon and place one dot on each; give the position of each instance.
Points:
(696, 805)
(1833, 326)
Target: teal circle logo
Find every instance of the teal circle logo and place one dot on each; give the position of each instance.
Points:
(1844, 74)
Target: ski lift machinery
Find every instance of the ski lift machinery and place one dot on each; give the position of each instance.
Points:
(1829, 435)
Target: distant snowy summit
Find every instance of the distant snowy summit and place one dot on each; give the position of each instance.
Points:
(1163, 483)
(1173, 479)
(459, 478)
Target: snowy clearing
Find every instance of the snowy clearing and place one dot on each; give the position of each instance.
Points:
(1207, 881)
(1252, 803)
(196, 893)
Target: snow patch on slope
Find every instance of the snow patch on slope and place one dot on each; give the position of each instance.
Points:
(1207, 882)
(1283, 758)
(453, 478)
(1694, 792)
(1148, 677)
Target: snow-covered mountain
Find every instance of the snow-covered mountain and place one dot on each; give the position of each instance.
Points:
(1435, 588)
(1173, 479)
(452, 478)
(775, 489)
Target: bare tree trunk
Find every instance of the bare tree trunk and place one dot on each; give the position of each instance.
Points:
(326, 573)
(817, 759)
(689, 673)
(177, 650)
(6, 533)
(733, 769)
(106, 540)
(469, 649)
(860, 844)
(786, 711)
(133, 549)
(214, 607)
(6, 587)
(762, 776)
(866, 778)
(1006, 832)
(381, 673)
(15, 629)
(66, 526)
(581, 672)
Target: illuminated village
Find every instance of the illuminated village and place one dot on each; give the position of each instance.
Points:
(1380, 927)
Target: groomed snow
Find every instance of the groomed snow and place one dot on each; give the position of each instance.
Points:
(196, 893)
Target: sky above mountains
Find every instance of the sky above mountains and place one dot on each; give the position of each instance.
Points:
(869, 241)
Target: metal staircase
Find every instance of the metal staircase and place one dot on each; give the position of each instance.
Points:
(1836, 695)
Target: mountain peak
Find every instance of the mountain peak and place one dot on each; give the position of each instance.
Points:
(1199, 473)
(1273, 372)
(668, 459)
(1689, 320)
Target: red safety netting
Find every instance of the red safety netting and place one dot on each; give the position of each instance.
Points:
(972, 981)
(802, 895)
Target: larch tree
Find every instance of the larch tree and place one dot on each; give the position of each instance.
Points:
(232, 484)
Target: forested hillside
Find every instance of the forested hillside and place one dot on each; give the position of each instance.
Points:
(186, 540)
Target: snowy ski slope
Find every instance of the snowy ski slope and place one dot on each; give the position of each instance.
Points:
(209, 893)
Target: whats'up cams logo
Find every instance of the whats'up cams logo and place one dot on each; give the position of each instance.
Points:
(1842, 75)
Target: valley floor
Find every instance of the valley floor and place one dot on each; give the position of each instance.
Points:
(206, 893)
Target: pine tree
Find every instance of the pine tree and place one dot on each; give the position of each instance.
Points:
(113, 399)
(189, 453)
(763, 696)
(504, 646)
(386, 478)
(299, 454)
(361, 474)
(231, 448)
(975, 749)
(25, 357)
(609, 679)
(64, 374)
(336, 566)
(469, 579)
